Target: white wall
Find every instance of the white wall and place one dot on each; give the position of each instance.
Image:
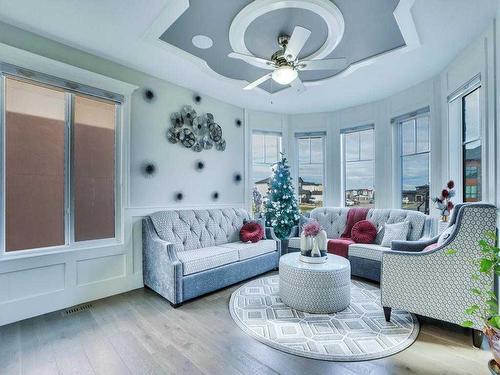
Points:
(33, 284)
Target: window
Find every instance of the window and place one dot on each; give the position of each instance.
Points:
(60, 162)
(358, 166)
(310, 171)
(266, 149)
(414, 150)
(471, 147)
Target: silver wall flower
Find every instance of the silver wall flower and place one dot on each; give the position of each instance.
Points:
(188, 114)
(197, 132)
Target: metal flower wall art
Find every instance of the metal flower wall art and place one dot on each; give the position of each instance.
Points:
(197, 132)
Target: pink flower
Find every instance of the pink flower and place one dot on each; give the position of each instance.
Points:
(312, 228)
(451, 184)
(450, 206)
(445, 193)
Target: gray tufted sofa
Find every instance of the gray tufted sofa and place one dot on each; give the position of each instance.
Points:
(187, 253)
(366, 258)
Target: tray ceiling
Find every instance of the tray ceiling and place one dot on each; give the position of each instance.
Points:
(370, 29)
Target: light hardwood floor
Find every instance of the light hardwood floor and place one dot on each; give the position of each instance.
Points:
(140, 333)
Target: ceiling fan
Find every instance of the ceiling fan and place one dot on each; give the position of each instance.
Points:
(285, 64)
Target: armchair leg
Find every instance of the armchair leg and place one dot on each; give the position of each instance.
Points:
(387, 313)
(477, 338)
(175, 305)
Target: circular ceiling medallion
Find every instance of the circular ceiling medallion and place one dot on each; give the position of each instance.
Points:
(202, 41)
(324, 8)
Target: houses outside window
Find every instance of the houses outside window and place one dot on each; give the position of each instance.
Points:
(414, 154)
(358, 151)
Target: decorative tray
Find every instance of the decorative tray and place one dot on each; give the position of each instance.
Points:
(313, 260)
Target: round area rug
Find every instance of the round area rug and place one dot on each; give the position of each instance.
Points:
(358, 333)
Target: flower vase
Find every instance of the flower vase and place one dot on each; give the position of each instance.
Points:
(315, 248)
(305, 244)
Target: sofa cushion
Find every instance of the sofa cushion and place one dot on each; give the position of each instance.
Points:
(395, 232)
(332, 219)
(367, 251)
(380, 217)
(206, 258)
(339, 246)
(363, 232)
(196, 229)
(250, 250)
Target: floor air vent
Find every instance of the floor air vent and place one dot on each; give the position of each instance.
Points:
(77, 309)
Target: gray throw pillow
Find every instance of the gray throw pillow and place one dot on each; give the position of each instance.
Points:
(395, 232)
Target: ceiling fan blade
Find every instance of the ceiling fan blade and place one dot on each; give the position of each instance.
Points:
(327, 64)
(298, 85)
(296, 43)
(253, 60)
(257, 82)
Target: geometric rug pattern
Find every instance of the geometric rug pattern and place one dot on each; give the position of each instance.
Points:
(358, 333)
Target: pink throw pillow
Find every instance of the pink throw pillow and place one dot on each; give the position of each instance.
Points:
(364, 232)
(251, 232)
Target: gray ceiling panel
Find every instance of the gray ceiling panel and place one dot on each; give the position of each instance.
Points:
(370, 29)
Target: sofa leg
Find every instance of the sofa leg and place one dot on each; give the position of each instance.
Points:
(477, 338)
(175, 305)
(387, 313)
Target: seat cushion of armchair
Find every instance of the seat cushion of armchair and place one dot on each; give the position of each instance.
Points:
(248, 250)
(206, 258)
(367, 251)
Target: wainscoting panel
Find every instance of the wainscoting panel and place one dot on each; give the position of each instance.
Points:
(19, 285)
(90, 271)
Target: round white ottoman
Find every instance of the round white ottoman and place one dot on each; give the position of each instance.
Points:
(315, 288)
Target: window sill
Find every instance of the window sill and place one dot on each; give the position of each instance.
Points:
(61, 250)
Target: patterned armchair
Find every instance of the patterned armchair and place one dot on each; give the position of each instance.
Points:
(434, 283)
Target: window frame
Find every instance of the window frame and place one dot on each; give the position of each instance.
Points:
(455, 128)
(465, 142)
(343, 133)
(71, 89)
(251, 182)
(398, 121)
(309, 135)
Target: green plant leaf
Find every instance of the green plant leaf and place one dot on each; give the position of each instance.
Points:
(492, 294)
(476, 291)
(467, 324)
(450, 252)
(475, 277)
(491, 235)
(485, 265)
(472, 310)
(494, 321)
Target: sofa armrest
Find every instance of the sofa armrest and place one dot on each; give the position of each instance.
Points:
(162, 269)
(413, 246)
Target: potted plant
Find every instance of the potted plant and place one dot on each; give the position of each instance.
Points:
(313, 243)
(487, 310)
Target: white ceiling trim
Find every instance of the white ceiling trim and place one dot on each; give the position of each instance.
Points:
(325, 9)
(173, 10)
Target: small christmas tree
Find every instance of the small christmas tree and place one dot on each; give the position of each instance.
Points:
(282, 212)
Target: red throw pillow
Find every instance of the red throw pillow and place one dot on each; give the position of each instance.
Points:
(364, 231)
(251, 232)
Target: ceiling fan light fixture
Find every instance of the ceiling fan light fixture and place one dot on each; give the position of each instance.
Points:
(284, 75)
